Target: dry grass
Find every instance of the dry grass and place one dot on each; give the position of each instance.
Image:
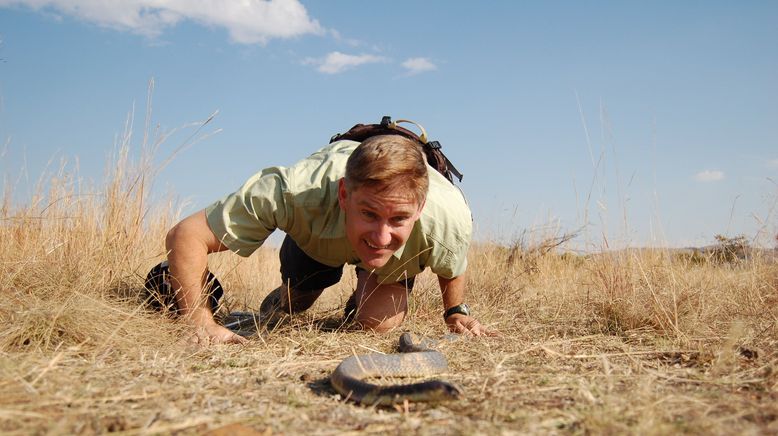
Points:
(632, 341)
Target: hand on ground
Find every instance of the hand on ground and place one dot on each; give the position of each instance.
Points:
(463, 324)
(213, 333)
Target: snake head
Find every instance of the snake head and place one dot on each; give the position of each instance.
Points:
(449, 391)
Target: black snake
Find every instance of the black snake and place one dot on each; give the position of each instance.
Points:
(414, 360)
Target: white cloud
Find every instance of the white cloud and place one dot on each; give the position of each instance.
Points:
(772, 163)
(709, 176)
(337, 62)
(247, 21)
(340, 38)
(418, 65)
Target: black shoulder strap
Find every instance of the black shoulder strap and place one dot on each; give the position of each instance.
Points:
(432, 149)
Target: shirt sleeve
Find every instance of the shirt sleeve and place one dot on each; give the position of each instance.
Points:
(244, 219)
(450, 260)
(450, 228)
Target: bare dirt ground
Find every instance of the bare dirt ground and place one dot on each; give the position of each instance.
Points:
(572, 357)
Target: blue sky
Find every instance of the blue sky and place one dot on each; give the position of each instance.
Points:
(643, 123)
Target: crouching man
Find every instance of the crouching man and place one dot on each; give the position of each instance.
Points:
(375, 204)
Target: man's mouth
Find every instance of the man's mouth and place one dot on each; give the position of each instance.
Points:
(376, 247)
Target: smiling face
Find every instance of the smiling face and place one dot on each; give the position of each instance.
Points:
(378, 221)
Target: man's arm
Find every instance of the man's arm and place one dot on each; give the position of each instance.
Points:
(454, 294)
(188, 244)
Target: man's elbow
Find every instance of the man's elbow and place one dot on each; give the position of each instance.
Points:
(193, 233)
(185, 235)
(174, 236)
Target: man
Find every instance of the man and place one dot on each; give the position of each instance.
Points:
(376, 204)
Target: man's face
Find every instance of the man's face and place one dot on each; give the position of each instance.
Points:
(377, 224)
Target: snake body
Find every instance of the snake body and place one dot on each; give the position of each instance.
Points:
(415, 360)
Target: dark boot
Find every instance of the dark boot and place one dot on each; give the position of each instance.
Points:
(160, 296)
(283, 302)
(350, 312)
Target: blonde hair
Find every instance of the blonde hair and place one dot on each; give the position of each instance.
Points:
(389, 162)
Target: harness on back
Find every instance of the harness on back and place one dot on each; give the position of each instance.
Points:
(432, 149)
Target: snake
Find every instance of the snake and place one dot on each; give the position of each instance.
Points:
(414, 360)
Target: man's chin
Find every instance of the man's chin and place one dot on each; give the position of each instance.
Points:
(375, 262)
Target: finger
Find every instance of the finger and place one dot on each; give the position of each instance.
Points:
(465, 329)
(197, 337)
(455, 327)
(473, 327)
(224, 336)
(490, 332)
(237, 339)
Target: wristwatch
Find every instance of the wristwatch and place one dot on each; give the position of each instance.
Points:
(463, 308)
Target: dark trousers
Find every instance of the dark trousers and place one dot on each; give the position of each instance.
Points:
(298, 270)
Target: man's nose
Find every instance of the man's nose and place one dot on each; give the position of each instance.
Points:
(383, 234)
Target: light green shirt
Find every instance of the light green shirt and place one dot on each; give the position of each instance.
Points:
(302, 200)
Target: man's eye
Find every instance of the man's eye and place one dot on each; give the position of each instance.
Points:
(367, 214)
(399, 220)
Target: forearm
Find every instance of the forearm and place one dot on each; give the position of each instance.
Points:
(188, 263)
(188, 245)
(453, 290)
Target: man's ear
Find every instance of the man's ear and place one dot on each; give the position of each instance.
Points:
(342, 193)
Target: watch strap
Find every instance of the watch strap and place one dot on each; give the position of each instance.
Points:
(463, 309)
